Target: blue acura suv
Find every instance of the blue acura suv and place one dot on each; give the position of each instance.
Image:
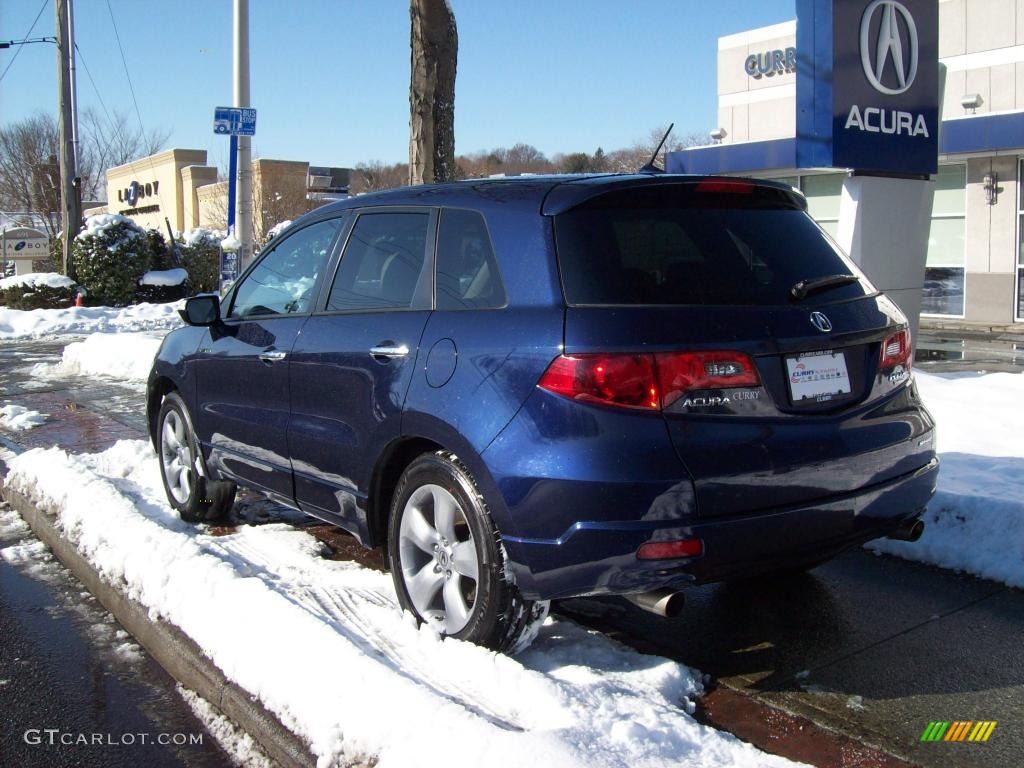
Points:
(544, 387)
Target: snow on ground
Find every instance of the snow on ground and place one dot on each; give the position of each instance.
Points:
(165, 277)
(35, 279)
(37, 323)
(127, 356)
(975, 523)
(20, 418)
(323, 645)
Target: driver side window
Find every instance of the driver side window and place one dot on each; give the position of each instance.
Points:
(284, 279)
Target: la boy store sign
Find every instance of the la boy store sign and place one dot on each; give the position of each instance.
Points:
(868, 85)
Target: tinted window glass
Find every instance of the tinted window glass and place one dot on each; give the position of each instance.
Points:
(382, 262)
(675, 245)
(467, 273)
(283, 280)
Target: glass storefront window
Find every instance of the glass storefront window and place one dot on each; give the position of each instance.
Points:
(943, 292)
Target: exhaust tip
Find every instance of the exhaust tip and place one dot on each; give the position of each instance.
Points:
(662, 602)
(909, 532)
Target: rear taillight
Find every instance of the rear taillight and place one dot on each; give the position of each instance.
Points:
(682, 372)
(896, 350)
(648, 382)
(623, 380)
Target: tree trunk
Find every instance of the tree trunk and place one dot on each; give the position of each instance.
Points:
(434, 41)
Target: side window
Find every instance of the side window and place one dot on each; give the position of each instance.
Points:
(283, 280)
(382, 262)
(467, 272)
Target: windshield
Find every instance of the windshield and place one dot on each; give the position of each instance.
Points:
(676, 245)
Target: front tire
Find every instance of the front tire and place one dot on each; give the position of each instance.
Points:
(447, 562)
(196, 498)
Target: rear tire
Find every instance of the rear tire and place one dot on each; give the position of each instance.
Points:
(196, 498)
(447, 562)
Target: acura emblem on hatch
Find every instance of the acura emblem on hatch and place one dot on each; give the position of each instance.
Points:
(889, 46)
(822, 323)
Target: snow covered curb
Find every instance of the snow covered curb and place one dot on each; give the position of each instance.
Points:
(321, 646)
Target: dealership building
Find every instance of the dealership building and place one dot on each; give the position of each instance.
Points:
(975, 259)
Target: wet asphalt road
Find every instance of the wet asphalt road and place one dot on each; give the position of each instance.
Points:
(60, 669)
(873, 647)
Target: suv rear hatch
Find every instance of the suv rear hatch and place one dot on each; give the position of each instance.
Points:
(781, 373)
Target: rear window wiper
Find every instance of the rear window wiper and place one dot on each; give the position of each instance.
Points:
(805, 288)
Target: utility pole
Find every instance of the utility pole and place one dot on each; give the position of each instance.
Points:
(241, 89)
(70, 204)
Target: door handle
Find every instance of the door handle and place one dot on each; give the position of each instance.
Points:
(272, 356)
(390, 351)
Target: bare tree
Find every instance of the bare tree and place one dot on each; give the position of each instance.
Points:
(29, 179)
(107, 143)
(375, 175)
(434, 43)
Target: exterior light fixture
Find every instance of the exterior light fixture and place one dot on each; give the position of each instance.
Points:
(971, 101)
(718, 134)
(990, 183)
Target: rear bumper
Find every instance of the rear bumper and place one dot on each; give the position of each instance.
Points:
(600, 557)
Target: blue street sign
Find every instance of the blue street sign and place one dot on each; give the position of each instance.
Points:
(234, 121)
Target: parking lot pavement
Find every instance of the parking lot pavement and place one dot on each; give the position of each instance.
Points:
(872, 647)
(940, 351)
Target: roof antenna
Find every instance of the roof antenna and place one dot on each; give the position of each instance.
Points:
(651, 167)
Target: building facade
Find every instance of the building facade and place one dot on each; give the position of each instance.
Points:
(177, 189)
(975, 264)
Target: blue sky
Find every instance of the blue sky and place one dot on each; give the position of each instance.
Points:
(330, 79)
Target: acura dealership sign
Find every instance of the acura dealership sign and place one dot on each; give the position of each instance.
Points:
(868, 85)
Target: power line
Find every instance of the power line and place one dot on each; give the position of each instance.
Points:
(25, 36)
(113, 125)
(131, 89)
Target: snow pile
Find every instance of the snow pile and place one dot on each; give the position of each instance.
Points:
(975, 523)
(19, 418)
(36, 279)
(126, 356)
(18, 324)
(175, 276)
(101, 222)
(200, 236)
(231, 243)
(323, 645)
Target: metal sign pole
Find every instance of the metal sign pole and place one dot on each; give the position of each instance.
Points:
(232, 183)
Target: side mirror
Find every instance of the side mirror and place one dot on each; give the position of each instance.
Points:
(201, 311)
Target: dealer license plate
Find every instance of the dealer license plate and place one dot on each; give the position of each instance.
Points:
(818, 376)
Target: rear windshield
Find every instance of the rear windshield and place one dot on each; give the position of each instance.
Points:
(676, 245)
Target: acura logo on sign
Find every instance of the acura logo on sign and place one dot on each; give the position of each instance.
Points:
(889, 47)
(819, 321)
